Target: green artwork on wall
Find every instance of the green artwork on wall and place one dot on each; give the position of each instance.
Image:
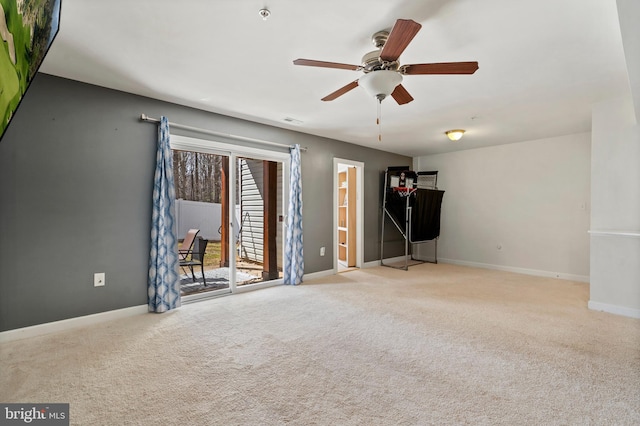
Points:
(27, 29)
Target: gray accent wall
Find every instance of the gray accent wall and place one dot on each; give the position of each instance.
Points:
(76, 173)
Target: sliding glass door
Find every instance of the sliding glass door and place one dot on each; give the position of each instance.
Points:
(201, 197)
(235, 198)
(260, 214)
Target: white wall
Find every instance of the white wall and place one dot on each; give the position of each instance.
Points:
(628, 16)
(531, 199)
(615, 217)
(615, 187)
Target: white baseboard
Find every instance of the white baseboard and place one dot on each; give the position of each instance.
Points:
(525, 271)
(371, 264)
(614, 309)
(52, 327)
(319, 274)
(375, 263)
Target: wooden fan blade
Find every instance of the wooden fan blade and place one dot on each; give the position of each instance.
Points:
(401, 35)
(312, 63)
(441, 68)
(401, 95)
(341, 91)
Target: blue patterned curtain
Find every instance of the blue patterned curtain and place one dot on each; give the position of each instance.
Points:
(293, 254)
(164, 280)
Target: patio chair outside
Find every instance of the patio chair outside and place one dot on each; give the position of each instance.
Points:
(186, 247)
(196, 258)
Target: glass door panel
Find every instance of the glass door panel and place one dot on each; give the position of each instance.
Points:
(202, 196)
(260, 218)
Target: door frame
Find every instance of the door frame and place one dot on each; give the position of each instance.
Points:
(233, 152)
(359, 210)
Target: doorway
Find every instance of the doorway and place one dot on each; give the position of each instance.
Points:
(348, 214)
(260, 213)
(235, 197)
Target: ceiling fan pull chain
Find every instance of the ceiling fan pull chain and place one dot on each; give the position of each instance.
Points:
(379, 120)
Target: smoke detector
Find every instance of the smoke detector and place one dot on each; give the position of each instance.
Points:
(264, 13)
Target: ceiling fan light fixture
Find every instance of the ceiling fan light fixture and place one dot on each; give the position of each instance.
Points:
(380, 84)
(454, 134)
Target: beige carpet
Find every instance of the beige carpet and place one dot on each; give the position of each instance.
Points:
(439, 345)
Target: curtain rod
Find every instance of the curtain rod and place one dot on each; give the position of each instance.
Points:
(145, 117)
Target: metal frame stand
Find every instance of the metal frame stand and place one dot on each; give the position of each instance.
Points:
(406, 234)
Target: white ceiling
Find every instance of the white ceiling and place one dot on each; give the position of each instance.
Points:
(543, 63)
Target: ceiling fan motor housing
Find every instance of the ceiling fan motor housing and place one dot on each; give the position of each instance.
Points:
(372, 62)
(380, 38)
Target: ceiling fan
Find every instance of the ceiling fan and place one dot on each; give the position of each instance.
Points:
(382, 70)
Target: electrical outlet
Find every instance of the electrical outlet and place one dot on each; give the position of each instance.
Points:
(321, 251)
(98, 279)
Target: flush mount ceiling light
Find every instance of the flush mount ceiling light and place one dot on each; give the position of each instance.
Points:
(454, 134)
